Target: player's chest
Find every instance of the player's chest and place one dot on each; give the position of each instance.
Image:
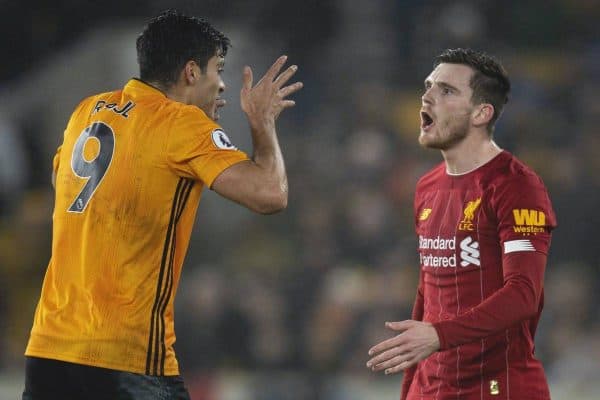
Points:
(454, 212)
(454, 228)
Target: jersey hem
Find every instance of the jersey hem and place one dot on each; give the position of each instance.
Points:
(93, 363)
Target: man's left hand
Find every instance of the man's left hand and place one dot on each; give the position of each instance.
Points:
(416, 341)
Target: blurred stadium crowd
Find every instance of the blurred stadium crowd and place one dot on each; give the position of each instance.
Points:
(286, 306)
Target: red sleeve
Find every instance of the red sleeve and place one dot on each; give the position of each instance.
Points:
(517, 300)
(525, 220)
(417, 315)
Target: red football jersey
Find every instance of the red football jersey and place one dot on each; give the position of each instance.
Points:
(483, 239)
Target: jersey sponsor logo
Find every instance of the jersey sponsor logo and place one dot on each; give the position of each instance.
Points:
(431, 260)
(469, 214)
(221, 140)
(425, 213)
(469, 252)
(518, 245)
(437, 243)
(529, 221)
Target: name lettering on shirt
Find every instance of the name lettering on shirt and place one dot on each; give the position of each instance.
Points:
(121, 110)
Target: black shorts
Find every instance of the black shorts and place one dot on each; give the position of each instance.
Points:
(51, 379)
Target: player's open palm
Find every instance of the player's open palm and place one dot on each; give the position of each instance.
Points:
(264, 102)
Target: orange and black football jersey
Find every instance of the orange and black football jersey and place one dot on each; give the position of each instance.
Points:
(129, 175)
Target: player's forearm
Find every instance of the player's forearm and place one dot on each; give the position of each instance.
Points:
(516, 301)
(268, 157)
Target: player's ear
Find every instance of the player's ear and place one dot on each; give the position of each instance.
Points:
(190, 72)
(483, 114)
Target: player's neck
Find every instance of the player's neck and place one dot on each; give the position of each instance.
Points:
(470, 154)
(178, 94)
(175, 92)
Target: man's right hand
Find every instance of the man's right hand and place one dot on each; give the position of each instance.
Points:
(264, 102)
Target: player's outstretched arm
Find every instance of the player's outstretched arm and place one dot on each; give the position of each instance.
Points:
(261, 184)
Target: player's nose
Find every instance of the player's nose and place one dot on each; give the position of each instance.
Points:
(427, 98)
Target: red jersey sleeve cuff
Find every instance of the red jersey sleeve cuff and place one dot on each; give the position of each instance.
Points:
(440, 329)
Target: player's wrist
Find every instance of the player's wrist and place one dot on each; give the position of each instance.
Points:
(261, 124)
(439, 329)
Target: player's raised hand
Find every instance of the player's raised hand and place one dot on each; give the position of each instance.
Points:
(417, 340)
(264, 102)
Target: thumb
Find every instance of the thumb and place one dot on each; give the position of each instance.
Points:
(247, 78)
(400, 325)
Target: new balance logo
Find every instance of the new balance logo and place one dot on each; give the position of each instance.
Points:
(425, 214)
(469, 252)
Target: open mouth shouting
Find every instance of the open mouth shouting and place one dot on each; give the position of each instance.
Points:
(426, 120)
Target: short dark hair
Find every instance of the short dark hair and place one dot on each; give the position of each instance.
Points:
(490, 83)
(170, 40)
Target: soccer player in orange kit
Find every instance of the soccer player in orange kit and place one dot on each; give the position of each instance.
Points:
(128, 179)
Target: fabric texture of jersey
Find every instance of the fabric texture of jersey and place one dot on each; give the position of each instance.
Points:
(483, 239)
(129, 176)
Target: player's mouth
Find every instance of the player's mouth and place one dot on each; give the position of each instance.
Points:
(219, 102)
(426, 121)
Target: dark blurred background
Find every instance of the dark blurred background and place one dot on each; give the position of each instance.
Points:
(286, 306)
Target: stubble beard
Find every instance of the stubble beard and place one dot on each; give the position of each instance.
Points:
(451, 132)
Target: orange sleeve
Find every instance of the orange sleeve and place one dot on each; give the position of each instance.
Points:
(198, 148)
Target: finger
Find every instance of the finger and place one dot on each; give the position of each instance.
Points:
(286, 91)
(400, 367)
(247, 78)
(276, 67)
(385, 356)
(386, 344)
(400, 325)
(286, 75)
(391, 363)
(288, 103)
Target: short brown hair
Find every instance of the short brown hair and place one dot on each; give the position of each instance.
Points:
(490, 83)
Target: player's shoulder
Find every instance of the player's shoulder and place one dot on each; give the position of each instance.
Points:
(188, 119)
(102, 95)
(510, 171)
(432, 176)
(87, 104)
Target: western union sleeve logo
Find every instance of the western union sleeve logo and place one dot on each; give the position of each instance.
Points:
(529, 221)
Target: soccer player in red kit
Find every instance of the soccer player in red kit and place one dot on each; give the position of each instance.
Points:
(483, 221)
